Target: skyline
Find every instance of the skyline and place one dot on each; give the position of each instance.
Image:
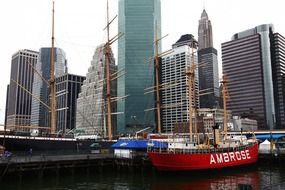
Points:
(79, 27)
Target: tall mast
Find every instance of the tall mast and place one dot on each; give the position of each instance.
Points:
(157, 83)
(108, 85)
(225, 96)
(52, 80)
(190, 72)
(194, 89)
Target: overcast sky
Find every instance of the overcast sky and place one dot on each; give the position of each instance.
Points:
(26, 24)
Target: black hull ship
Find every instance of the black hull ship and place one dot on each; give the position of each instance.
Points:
(16, 143)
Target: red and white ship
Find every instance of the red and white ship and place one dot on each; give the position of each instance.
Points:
(182, 156)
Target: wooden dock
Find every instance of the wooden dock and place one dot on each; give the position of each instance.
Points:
(41, 163)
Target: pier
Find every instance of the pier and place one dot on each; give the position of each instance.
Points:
(41, 163)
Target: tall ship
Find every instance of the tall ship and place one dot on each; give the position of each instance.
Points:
(47, 138)
(195, 151)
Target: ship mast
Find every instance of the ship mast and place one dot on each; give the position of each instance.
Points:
(190, 73)
(109, 77)
(158, 106)
(225, 96)
(52, 81)
(107, 52)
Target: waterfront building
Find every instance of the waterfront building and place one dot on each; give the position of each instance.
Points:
(91, 103)
(68, 87)
(253, 62)
(40, 113)
(174, 98)
(244, 124)
(21, 83)
(209, 72)
(140, 22)
(210, 117)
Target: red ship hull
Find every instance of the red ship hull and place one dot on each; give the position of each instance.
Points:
(201, 161)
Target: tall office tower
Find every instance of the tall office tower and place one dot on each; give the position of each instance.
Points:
(140, 21)
(173, 75)
(209, 72)
(21, 83)
(40, 113)
(278, 72)
(91, 110)
(68, 87)
(205, 36)
(253, 61)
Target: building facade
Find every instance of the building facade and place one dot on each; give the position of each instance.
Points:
(40, 113)
(140, 21)
(205, 34)
(91, 103)
(209, 72)
(68, 87)
(210, 117)
(244, 124)
(174, 99)
(278, 73)
(21, 83)
(254, 63)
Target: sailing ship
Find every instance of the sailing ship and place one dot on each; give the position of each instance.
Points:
(182, 154)
(51, 141)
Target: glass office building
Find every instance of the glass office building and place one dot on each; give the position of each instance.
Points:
(68, 87)
(139, 21)
(209, 78)
(21, 83)
(278, 72)
(40, 113)
(254, 63)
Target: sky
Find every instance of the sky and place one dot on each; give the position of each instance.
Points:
(26, 24)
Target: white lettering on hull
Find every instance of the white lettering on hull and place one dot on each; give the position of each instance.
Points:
(229, 157)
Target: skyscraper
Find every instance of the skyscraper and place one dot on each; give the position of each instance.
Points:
(21, 83)
(253, 62)
(278, 72)
(40, 113)
(91, 106)
(68, 87)
(205, 36)
(175, 99)
(140, 22)
(209, 72)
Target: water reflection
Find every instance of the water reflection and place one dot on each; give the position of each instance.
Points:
(241, 178)
(244, 178)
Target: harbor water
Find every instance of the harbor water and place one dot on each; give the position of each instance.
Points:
(257, 176)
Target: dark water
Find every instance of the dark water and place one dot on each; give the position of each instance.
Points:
(244, 178)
